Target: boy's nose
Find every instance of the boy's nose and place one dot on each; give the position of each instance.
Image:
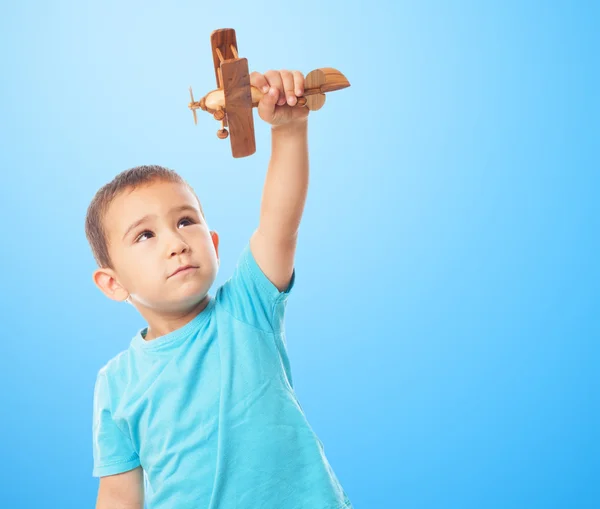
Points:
(178, 246)
(179, 251)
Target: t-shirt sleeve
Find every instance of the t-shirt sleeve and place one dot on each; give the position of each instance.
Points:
(252, 298)
(112, 449)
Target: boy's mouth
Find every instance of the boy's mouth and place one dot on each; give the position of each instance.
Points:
(184, 269)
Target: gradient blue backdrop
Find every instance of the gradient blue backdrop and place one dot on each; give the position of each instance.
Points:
(444, 328)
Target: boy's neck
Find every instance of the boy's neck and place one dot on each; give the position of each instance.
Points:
(161, 325)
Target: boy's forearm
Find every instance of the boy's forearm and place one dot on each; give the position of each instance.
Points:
(286, 183)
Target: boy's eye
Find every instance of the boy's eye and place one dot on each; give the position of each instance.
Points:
(147, 233)
(186, 220)
(141, 235)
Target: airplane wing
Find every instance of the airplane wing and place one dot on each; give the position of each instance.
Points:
(238, 106)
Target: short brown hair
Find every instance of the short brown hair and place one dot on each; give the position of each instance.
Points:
(128, 179)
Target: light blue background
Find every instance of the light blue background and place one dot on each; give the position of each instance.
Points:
(444, 328)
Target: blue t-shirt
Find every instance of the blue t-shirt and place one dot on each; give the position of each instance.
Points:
(209, 410)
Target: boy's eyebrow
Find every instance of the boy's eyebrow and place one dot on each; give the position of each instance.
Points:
(134, 225)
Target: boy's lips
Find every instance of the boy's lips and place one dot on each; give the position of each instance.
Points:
(184, 268)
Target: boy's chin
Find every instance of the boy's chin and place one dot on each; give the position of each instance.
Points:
(176, 298)
(187, 297)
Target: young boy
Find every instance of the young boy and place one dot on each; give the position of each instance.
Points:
(200, 411)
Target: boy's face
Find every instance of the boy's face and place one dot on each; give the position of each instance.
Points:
(152, 232)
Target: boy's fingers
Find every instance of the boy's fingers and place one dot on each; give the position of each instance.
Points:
(288, 87)
(275, 81)
(298, 83)
(259, 81)
(266, 106)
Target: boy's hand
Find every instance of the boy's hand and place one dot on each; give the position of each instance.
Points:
(281, 89)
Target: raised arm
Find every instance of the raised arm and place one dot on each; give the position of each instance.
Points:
(273, 244)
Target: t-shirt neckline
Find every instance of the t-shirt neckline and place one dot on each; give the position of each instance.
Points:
(173, 338)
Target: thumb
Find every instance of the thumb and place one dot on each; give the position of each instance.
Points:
(266, 106)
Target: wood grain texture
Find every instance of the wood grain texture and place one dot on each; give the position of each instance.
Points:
(238, 106)
(314, 80)
(333, 80)
(222, 40)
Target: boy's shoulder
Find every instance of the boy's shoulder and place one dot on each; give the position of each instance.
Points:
(114, 368)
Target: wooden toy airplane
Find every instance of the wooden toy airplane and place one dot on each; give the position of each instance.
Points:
(232, 102)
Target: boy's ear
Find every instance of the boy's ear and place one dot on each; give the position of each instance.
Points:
(106, 281)
(215, 238)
